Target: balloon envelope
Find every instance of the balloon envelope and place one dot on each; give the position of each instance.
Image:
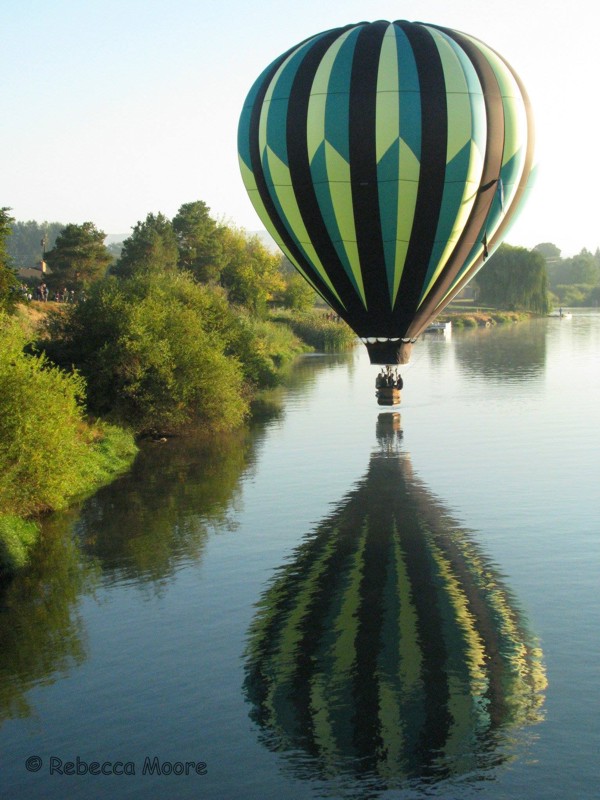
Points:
(386, 159)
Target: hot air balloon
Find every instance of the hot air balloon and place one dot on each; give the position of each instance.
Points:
(387, 159)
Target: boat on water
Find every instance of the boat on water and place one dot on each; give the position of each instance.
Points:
(439, 328)
(560, 314)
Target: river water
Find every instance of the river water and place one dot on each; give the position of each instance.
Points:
(344, 600)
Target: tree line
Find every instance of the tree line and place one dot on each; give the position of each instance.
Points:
(213, 253)
(176, 326)
(172, 328)
(515, 279)
(573, 281)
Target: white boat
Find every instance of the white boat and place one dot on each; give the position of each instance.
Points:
(560, 314)
(443, 328)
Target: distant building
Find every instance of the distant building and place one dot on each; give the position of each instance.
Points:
(31, 274)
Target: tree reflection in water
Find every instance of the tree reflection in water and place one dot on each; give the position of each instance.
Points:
(144, 526)
(138, 530)
(42, 636)
(388, 649)
(512, 353)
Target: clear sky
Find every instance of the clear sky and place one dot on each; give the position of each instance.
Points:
(116, 108)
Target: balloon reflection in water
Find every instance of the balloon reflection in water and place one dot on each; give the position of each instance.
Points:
(389, 648)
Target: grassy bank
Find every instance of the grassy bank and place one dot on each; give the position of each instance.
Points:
(482, 318)
(318, 329)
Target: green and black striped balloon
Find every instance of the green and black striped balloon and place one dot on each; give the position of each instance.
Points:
(386, 159)
(389, 647)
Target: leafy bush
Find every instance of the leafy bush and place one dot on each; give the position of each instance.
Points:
(153, 352)
(501, 317)
(41, 429)
(264, 348)
(48, 453)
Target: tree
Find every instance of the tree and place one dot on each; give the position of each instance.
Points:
(8, 281)
(115, 249)
(151, 248)
(152, 349)
(298, 293)
(199, 241)
(515, 278)
(548, 250)
(78, 257)
(250, 273)
(574, 280)
(580, 269)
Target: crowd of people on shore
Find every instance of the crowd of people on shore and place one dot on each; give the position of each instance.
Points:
(43, 294)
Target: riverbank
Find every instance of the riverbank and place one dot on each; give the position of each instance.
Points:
(320, 330)
(108, 453)
(483, 318)
(51, 453)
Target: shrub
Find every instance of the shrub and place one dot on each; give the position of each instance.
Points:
(48, 453)
(264, 349)
(153, 352)
(41, 427)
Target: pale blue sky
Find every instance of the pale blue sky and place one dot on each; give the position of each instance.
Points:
(115, 108)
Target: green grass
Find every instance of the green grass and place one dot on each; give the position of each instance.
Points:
(109, 452)
(319, 332)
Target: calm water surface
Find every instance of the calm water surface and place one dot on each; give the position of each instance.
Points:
(343, 601)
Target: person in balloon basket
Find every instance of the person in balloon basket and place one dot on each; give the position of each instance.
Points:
(389, 379)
